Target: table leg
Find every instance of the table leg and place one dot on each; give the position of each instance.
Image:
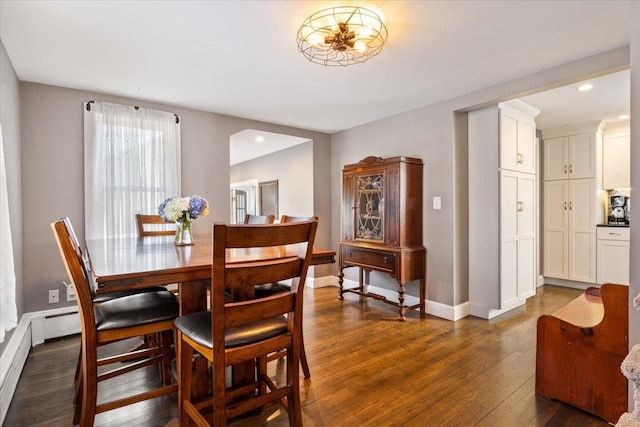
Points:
(193, 296)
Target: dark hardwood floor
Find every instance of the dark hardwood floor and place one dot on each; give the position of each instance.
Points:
(368, 369)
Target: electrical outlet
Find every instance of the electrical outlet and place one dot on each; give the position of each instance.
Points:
(54, 296)
(71, 293)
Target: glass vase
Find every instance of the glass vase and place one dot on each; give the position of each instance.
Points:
(183, 232)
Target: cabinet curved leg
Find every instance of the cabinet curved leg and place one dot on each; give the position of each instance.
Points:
(401, 291)
(340, 280)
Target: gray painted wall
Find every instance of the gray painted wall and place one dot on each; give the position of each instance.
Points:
(436, 134)
(293, 168)
(10, 119)
(52, 173)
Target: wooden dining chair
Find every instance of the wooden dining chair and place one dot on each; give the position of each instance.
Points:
(244, 332)
(155, 220)
(259, 219)
(113, 321)
(274, 288)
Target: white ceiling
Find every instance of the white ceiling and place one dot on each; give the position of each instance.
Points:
(609, 99)
(240, 57)
(250, 143)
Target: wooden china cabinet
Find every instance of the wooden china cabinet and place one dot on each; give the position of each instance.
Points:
(382, 225)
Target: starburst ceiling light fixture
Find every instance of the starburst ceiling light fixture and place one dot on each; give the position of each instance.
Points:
(342, 36)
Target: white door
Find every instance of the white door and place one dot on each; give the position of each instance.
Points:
(582, 234)
(526, 236)
(508, 288)
(556, 229)
(556, 155)
(582, 156)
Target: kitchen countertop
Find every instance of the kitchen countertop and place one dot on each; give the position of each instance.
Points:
(613, 225)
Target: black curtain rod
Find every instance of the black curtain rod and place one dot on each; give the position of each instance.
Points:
(135, 106)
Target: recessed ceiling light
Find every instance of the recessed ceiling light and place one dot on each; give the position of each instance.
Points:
(259, 138)
(623, 117)
(585, 87)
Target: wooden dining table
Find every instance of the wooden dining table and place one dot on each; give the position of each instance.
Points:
(135, 263)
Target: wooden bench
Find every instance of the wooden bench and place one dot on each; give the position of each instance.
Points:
(580, 349)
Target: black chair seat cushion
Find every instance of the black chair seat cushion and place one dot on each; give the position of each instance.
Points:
(136, 310)
(108, 296)
(197, 326)
(262, 291)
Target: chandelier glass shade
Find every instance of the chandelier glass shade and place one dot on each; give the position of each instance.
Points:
(342, 36)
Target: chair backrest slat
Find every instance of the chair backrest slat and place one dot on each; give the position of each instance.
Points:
(245, 312)
(259, 219)
(245, 275)
(142, 220)
(286, 218)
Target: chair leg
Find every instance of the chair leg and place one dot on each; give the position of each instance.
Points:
(184, 358)
(293, 399)
(79, 364)
(77, 401)
(303, 360)
(166, 338)
(89, 390)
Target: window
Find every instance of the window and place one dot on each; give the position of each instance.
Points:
(132, 164)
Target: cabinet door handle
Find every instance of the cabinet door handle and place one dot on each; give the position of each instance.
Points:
(565, 169)
(565, 206)
(615, 234)
(570, 206)
(520, 207)
(386, 260)
(571, 168)
(520, 159)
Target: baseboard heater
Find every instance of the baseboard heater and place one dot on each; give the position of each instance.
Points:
(57, 323)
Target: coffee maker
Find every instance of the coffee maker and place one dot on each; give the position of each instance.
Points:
(619, 209)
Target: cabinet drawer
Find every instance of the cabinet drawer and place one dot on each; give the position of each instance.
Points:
(613, 233)
(376, 259)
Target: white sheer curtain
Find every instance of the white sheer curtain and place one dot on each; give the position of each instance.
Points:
(132, 164)
(8, 310)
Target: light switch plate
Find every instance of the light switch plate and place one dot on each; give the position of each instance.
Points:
(437, 203)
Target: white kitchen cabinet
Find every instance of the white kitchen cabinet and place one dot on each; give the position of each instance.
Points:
(615, 161)
(570, 229)
(570, 157)
(518, 237)
(502, 209)
(613, 255)
(517, 139)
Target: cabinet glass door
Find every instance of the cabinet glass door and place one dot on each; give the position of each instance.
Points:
(370, 207)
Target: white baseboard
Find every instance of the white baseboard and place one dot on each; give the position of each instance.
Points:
(449, 312)
(568, 283)
(321, 282)
(12, 361)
